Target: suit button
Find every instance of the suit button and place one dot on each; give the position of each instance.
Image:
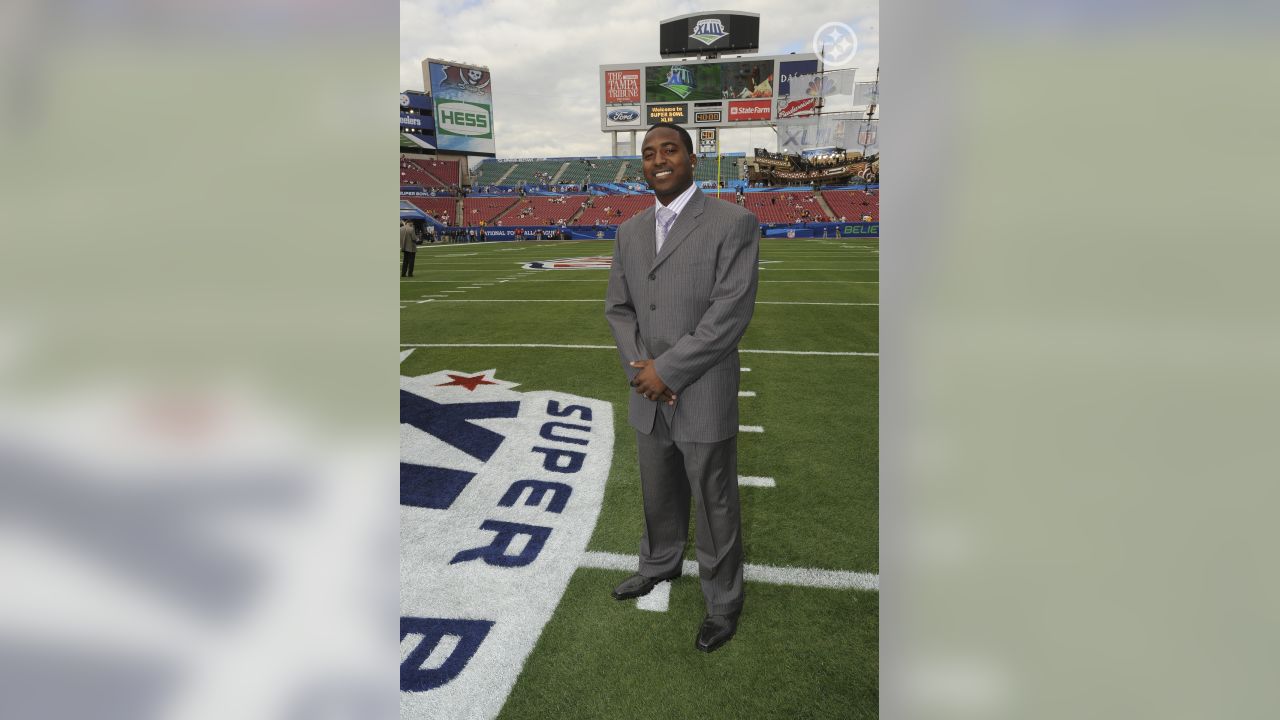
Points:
(653, 307)
(651, 277)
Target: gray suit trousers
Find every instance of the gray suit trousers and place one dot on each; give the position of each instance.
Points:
(670, 473)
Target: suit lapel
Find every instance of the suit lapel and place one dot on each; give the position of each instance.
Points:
(648, 237)
(684, 226)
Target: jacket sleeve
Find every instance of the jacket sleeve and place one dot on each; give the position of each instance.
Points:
(733, 299)
(620, 311)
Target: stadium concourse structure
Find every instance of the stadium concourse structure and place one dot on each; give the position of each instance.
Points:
(588, 197)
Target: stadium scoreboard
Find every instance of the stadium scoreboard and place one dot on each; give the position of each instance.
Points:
(716, 93)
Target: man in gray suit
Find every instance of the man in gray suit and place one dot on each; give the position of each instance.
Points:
(408, 248)
(681, 292)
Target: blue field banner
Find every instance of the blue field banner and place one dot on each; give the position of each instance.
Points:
(820, 230)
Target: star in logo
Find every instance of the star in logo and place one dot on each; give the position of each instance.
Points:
(469, 383)
(836, 42)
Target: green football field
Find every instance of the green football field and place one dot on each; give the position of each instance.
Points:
(807, 641)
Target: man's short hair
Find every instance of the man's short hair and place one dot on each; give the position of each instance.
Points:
(684, 134)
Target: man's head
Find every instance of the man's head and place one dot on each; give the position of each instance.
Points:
(668, 159)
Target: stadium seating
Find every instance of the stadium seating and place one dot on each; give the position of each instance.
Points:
(785, 207)
(446, 171)
(619, 208)
(489, 171)
(605, 170)
(706, 169)
(476, 209)
(852, 204)
(410, 174)
(543, 210)
(437, 207)
(528, 172)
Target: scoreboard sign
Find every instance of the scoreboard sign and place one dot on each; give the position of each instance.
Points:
(677, 113)
(707, 140)
(707, 93)
(745, 110)
(709, 32)
(621, 87)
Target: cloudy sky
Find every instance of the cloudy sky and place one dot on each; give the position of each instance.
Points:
(545, 57)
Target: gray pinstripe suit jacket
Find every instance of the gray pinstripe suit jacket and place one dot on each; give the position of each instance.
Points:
(686, 308)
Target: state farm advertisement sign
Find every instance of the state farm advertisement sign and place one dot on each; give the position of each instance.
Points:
(621, 86)
(740, 110)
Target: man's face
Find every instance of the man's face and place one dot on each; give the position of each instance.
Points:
(667, 164)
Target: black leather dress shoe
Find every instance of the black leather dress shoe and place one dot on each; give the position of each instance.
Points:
(637, 585)
(716, 630)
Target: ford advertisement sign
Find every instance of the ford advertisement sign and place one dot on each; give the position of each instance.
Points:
(622, 117)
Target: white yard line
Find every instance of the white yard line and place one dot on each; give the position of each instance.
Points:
(755, 481)
(750, 428)
(611, 347)
(746, 393)
(600, 300)
(605, 280)
(770, 574)
(657, 600)
(810, 352)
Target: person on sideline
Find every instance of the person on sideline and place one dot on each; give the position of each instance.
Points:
(408, 248)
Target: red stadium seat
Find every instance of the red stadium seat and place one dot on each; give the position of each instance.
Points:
(853, 204)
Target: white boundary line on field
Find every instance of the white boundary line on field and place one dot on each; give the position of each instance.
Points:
(611, 347)
(605, 280)
(756, 481)
(770, 574)
(600, 300)
(658, 599)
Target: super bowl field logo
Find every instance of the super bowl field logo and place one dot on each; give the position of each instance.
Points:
(500, 491)
(597, 262)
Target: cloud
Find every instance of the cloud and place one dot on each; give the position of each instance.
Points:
(545, 58)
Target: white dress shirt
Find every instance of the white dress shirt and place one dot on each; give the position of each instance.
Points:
(676, 206)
